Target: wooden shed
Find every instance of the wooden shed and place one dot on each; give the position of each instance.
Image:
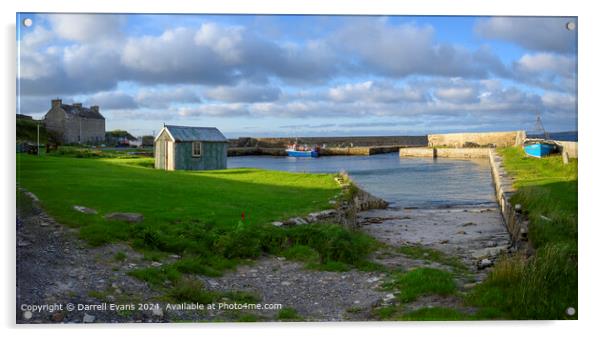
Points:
(190, 148)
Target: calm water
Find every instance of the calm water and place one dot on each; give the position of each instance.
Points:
(405, 182)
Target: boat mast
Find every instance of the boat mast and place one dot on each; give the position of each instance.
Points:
(539, 129)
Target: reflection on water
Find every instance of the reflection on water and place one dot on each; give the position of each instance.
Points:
(405, 182)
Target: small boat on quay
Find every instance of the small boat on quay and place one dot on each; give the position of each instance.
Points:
(539, 147)
(296, 150)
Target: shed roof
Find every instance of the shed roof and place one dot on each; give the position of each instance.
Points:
(81, 111)
(193, 133)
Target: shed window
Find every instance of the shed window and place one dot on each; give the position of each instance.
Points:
(196, 149)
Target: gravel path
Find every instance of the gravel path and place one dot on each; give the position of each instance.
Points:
(54, 266)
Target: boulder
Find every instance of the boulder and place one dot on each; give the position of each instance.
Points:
(127, 217)
(88, 318)
(85, 210)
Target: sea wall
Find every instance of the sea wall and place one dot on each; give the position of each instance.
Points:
(516, 223)
(330, 142)
(466, 153)
(475, 139)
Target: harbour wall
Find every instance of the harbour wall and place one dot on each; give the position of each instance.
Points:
(466, 153)
(336, 142)
(571, 148)
(516, 223)
(477, 139)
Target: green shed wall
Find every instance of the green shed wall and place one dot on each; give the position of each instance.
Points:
(214, 156)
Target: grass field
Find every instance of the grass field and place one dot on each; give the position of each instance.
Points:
(198, 215)
(545, 285)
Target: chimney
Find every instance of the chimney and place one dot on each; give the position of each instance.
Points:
(94, 108)
(56, 103)
(77, 105)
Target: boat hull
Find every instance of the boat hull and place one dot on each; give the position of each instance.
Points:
(307, 154)
(538, 150)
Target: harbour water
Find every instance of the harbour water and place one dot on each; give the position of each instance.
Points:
(404, 182)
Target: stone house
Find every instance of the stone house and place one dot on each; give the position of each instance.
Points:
(75, 123)
(190, 148)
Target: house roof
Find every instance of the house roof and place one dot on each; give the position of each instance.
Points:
(81, 111)
(193, 133)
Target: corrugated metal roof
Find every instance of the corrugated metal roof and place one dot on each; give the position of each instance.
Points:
(193, 133)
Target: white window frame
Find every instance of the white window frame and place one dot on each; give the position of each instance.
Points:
(200, 149)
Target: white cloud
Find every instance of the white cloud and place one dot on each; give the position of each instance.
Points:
(243, 92)
(87, 27)
(538, 33)
(163, 98)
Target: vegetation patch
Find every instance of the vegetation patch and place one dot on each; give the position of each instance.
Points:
(288, 314)
(433, 255)
(421, 281)
(435, 314)
(543, 286)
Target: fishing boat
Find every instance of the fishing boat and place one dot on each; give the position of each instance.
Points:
(539, 147)
(296, 150)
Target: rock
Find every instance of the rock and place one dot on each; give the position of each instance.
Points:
(43, 224)
(158, 312)
(175, 256)
(443, 242)
(295, 221)
(543, 217)
(83, 209)
(488, 252)
(484, 263)
(23, 243)
(32, 196)
(469, 286)
(518, 208)
(285, 283)
(58, 316)
(461, 232)
(373, 279)
(491, 244)
(469, 224)
(88, 318)
(321, 215)
(156, 264)
(127, 217)
(277, 223)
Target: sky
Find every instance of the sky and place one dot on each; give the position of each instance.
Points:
(292, 75)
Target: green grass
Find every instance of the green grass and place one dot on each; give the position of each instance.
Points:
(435, 314)
(119, 256)
(422, 281)
(545, 285)
(430, 254)
(288, 314)
(196, 215)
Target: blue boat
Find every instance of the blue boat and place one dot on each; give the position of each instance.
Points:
(539, 149)
(296, 150)
(297, 153)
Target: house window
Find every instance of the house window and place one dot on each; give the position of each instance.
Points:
(196, 149)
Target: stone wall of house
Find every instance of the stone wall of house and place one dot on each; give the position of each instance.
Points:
(92, 130)
(467, 139)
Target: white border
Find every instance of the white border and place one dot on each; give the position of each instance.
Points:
(589, 125)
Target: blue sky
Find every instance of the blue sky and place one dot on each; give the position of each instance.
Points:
(295, 75)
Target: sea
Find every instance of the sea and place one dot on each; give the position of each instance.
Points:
(404, 182)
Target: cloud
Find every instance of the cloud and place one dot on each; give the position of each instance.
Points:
(458, 94)
(214, 110)
(87, 27)
(163, 98)
(243, 92)
(547, 70)
(112, 101)
(376, 91)
(407, 49)
(539, 34)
